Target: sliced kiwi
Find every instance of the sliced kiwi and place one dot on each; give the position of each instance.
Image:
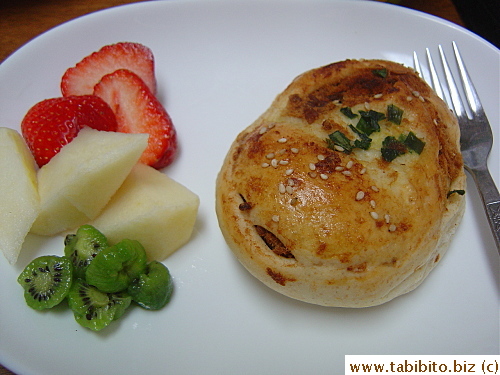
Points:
(93, 308)
(114, 268)
(83, 246)
(152, 290)
(46, 281)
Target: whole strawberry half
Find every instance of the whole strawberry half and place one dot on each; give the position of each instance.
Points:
(138, 110)
(53, 123)
(81, 79)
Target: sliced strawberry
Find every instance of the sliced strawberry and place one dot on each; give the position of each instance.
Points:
(81, 79)
(53, 123)
(137, 110)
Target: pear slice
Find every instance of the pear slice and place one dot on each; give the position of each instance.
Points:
(18, 192)
(153, 209)
(80, 180)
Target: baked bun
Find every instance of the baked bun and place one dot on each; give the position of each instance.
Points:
(329, 225)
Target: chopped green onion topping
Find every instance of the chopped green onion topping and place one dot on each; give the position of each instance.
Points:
(368, 123)
(348, 112)
(338, 138)
(380, 72)
(459, 192)
(364, 142)
(394, 114)
(414, 143)
(367, 127)
(392, 148)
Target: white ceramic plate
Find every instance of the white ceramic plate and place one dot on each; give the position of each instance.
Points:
(219, 65)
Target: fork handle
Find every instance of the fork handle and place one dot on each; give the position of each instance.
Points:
(491, 200)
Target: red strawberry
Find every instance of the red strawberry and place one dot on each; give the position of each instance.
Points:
(53, 123)
(137, 110)
(81, 79)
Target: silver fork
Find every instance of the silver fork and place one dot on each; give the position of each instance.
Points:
(476, 137)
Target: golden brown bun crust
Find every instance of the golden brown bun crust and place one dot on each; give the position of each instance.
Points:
(338, 229)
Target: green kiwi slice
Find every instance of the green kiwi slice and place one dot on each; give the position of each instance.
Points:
(46, 281)
(152, 290)
(93, 308)
(83, 246)
(114, 268)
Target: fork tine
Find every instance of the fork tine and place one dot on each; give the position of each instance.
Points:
(455, 97)
(470, 91)
(435, 80)
(416, 64)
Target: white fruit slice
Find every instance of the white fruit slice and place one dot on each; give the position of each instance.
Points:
(19, 199)
(153, 209)
(79, 181)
